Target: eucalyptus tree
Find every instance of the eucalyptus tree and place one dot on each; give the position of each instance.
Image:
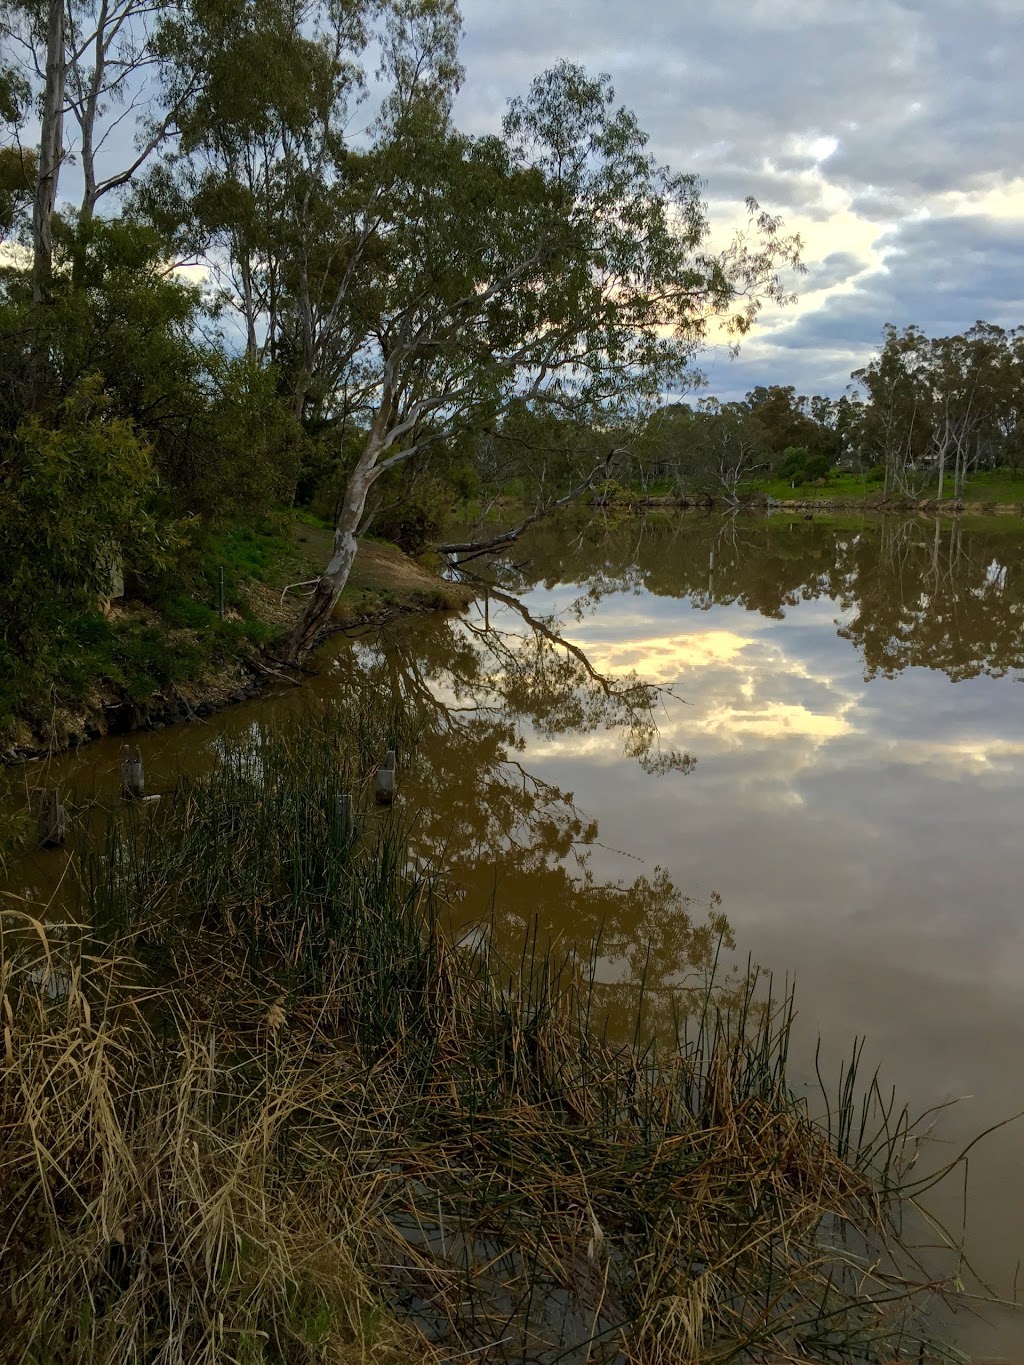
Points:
(17, 165)
(961, 377)
(727, 447)
(271, 184)
(795, 421)
(92, 65)
(42, 32)
(948, 403)
(558, 266)
(892, 429)
(1009, 406)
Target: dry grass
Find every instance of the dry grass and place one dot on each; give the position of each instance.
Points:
(260, 1110)
(167, 1197)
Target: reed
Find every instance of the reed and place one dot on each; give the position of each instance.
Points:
(259, 1108)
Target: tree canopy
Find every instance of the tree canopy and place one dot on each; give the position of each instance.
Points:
(289, 273)
(254, 236)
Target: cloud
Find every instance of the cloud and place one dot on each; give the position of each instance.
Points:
(886, 132)
(944, 274)
(836, 268)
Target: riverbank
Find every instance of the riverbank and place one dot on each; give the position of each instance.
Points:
(263, 1109)
(821, 500)
(135, 665)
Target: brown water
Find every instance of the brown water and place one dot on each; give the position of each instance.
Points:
(837, 755)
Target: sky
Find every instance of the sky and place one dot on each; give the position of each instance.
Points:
(888, 133)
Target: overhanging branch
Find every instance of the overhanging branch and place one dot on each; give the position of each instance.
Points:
(472, 549)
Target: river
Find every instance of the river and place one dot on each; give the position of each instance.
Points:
(811, 728)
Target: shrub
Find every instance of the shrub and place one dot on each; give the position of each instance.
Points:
(418, 520)
(817, 467)
(793, 466)
(74, 501)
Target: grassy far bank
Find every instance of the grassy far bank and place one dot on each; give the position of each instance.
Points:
(988, 486)
(999, 487)
(257, 1108)
(129, 661)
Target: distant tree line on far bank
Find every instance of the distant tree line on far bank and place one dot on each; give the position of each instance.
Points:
(920, 418)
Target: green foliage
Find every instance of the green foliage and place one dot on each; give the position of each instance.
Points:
(74, 502)
(250, 447)
(137, 657)
(17, 182)
(419, 517)
(792, 421)
(935, 411)
(223, 441)
(793, 466)
(327, 456)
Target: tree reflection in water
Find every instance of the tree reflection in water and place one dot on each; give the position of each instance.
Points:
(515, 845)
(941, 592)
(934, 593)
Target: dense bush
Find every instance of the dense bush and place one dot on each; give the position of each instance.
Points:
(75, 505)
(799, 465)
(793, 465)
(412, 522)
(817, 467)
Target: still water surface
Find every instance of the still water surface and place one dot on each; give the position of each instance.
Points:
(835, 749)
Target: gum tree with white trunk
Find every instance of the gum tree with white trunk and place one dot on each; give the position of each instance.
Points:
(557, 265)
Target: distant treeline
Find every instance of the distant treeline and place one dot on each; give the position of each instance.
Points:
(920, 417)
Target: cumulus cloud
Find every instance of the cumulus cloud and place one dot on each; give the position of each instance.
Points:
(887, 132)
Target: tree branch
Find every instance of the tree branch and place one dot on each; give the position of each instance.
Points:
(474, 548)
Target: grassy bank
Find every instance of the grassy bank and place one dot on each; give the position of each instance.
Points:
(998, 489)
(998, 486)
(170, 654)
(257, 1107)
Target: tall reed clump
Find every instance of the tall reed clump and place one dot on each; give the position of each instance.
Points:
(259, 1109)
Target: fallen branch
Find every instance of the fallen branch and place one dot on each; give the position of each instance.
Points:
(306, 582)
(472, 549)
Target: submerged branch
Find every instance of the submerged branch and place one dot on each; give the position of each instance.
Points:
(472, 549)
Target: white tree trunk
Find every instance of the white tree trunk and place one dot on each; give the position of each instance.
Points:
(50, 149)
(331, 582)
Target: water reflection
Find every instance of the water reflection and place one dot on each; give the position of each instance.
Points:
(859, 814)
(493, 698)
(941, 593)
(850, 696)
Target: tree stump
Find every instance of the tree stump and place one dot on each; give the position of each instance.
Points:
(133, 781)
(52, 822)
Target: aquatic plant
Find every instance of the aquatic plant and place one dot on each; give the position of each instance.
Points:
(258, 1106)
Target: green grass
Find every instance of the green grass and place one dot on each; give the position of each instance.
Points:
(169, 632)
(837, 485)
(996, 485)
(244, 553)
(146, 648)
(988, 486)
